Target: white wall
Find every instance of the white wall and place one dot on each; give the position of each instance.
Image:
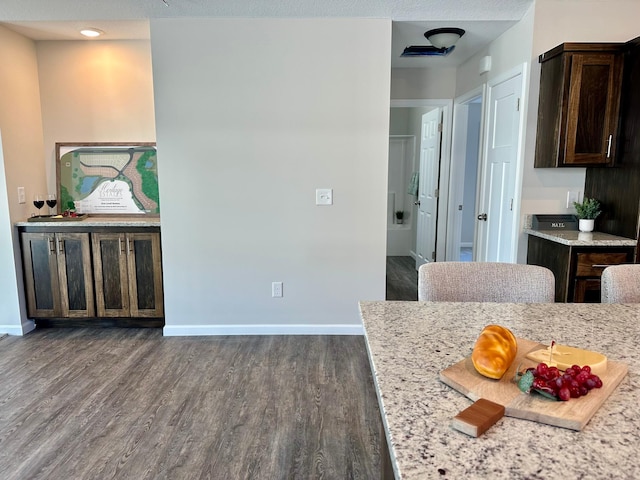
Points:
(63, 91)
(20, 166)
(545, 190)
(547, 24)
(423, 83)
(247, 130)
(95, 91)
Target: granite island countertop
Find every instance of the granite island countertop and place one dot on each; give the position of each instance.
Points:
(575, 238)
(99, 221)
(410, 343)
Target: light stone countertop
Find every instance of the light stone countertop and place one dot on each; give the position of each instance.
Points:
(575, 238)
(100, 221)
(410, 343)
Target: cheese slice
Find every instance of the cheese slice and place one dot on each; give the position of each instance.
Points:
(563, 357)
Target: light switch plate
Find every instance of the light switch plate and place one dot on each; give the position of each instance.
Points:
(324, 196)
(21, 195)
(572, 196)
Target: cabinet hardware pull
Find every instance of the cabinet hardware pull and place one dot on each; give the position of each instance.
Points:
(129, 246)
(52, 245)
(60, 246)
(600, 265)
(120, 245)
(609, 146)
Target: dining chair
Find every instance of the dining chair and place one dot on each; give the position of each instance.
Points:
(620, 284)
(485, 282)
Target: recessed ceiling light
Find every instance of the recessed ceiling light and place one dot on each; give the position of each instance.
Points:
(91, 32)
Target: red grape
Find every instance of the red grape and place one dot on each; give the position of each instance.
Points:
(576, 381)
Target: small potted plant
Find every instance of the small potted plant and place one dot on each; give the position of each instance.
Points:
(587, 212)
(400, 217)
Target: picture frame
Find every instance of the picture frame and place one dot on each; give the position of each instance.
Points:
(113, 178)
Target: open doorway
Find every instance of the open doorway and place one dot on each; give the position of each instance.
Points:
(466, 153)
(406, 125)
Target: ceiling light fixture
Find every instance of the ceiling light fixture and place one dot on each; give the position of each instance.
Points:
(444, 37)
(442, 43)
(426, 51)
(91, 32)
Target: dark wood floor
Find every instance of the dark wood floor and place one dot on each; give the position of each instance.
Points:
(131, 404)
(402, 278)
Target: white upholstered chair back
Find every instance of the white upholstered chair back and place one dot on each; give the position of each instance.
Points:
(621, 284)
(485, 282)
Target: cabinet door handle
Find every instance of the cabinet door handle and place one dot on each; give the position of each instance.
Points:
(120, 245)
(60, 246)
(52, 246)
(129, 251)
(600, 265)
(609, 145)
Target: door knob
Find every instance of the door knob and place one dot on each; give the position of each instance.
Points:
(482, 216)
(417, 202)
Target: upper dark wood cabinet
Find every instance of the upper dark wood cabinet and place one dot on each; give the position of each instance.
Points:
(580, 85)
(618, 189)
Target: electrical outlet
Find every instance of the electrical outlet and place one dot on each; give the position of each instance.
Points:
(21, 195)
(324, 196)
(276, 289)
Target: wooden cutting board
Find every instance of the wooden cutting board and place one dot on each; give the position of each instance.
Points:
(573, 414)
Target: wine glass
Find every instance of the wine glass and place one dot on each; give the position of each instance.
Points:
(38, 202)
(52, 202)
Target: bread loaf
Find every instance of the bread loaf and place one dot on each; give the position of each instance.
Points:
(494, 351)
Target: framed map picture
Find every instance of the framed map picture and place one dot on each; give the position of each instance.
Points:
(108, 178)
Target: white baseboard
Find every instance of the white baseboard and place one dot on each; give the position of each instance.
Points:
(19, 330)
(197, 330)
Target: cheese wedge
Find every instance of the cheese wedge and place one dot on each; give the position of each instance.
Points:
(563, 357)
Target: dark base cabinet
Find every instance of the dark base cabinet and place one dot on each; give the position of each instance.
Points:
(128, 274)
(58, 278)
(577, 269)
(99, 277)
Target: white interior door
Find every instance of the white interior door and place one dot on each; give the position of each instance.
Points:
(428, 187)
(496, 213)
(464, 178)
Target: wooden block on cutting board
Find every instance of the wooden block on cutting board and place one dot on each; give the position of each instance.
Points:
(574, 414)
(478, 418)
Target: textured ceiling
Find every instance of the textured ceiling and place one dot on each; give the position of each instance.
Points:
(483, 20)
(436, 10)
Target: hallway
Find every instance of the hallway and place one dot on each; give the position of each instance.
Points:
(402, 279)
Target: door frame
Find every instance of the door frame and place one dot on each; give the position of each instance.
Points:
(481, 231)
(457, 172)
(445, 163)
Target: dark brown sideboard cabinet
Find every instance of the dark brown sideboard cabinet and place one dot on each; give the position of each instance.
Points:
(128, 274)
(58, 278)
(577, 269)
(580, 86)
(101, 275)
